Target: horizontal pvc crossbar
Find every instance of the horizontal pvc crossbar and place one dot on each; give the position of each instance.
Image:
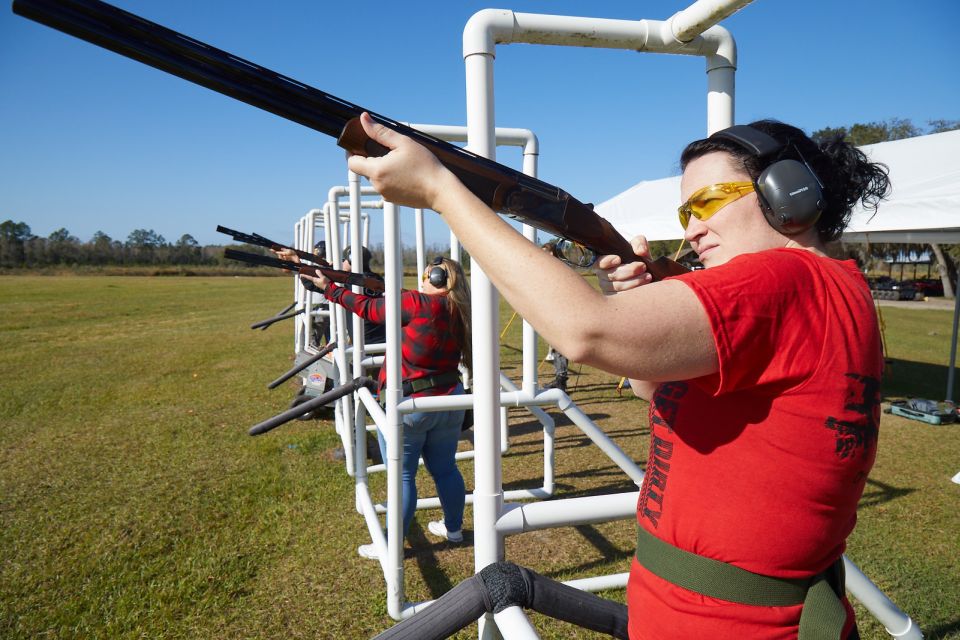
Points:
(600, 583)
(520, 518)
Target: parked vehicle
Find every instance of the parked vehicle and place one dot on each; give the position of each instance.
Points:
(929, 287)
(886, 288)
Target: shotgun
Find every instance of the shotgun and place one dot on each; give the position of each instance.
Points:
(258, 240)
(343, 277)
(503, 189)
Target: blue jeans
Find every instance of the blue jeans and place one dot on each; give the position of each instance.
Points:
(433, 436)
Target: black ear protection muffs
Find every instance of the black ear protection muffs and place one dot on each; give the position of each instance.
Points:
(790, 194)
(438, 275)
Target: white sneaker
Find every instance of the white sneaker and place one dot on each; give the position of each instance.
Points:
(437, 528)
(368, 551)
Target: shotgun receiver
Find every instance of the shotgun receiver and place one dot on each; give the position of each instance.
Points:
(503, 189)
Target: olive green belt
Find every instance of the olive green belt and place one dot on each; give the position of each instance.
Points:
(823, 614)
(422, 384)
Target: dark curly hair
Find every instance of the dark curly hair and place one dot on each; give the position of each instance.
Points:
(847, 175)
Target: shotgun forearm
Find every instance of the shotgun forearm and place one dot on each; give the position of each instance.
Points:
(506, 190)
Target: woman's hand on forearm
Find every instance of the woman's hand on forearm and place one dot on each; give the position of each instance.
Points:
(287, 254)
(409, 175)
(320, 281)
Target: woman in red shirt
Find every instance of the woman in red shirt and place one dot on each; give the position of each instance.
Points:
(763, 371)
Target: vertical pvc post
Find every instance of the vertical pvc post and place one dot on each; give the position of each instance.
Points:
(454, 248)
(359, 416)
(421, 240)
(721, 81)
(338, 322)
(356, 264)
(298, 322)
(953, 346)
(487, 495)
(393, 433)
(306, 240)
(531, 357)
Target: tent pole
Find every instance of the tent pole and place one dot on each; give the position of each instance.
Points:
(953, 348)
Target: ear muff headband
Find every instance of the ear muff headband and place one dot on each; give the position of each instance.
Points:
(438, 275)
(790, 194)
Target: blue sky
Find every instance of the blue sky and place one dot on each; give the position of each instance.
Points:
(92, 141)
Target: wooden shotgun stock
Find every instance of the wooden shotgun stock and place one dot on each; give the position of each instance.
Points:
(505, 190)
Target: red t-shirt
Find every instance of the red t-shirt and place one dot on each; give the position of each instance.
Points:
(762, 464)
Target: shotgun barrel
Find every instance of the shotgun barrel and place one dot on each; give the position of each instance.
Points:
(506, 190)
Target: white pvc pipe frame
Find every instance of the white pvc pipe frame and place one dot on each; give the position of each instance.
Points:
(390, 550)
(688, 32)
(525, 139)
(304, 232)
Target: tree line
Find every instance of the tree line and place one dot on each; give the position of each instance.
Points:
(20, 248)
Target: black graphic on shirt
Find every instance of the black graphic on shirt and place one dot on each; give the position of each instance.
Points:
(663, 412)
(863, 399)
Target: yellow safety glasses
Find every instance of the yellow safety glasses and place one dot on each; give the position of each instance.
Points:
(707, 201)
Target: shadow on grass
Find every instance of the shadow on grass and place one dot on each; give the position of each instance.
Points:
(608, 552)
(561, 420)
(562, 443)
(909, 379)
(877, 492)
(423, 554)
(588, 394)
(623, 484)
(944, 631)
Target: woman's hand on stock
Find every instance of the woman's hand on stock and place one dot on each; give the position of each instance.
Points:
(615, 277)
(409, 175)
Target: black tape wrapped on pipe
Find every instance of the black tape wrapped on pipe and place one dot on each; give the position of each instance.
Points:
(504, 584)
(270, 321)
(310, 405)
(303, 365)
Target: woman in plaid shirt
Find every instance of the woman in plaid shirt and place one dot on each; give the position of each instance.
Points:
(435, 338)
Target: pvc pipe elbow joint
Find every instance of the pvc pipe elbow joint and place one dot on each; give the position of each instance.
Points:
(485, 28)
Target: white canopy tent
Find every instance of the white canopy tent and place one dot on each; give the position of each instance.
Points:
(924, 205)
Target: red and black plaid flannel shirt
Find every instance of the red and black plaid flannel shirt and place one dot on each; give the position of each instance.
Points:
(427, 344)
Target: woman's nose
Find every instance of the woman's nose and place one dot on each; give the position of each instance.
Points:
(695, 229)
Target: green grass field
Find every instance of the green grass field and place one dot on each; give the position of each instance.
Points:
(134, 505)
